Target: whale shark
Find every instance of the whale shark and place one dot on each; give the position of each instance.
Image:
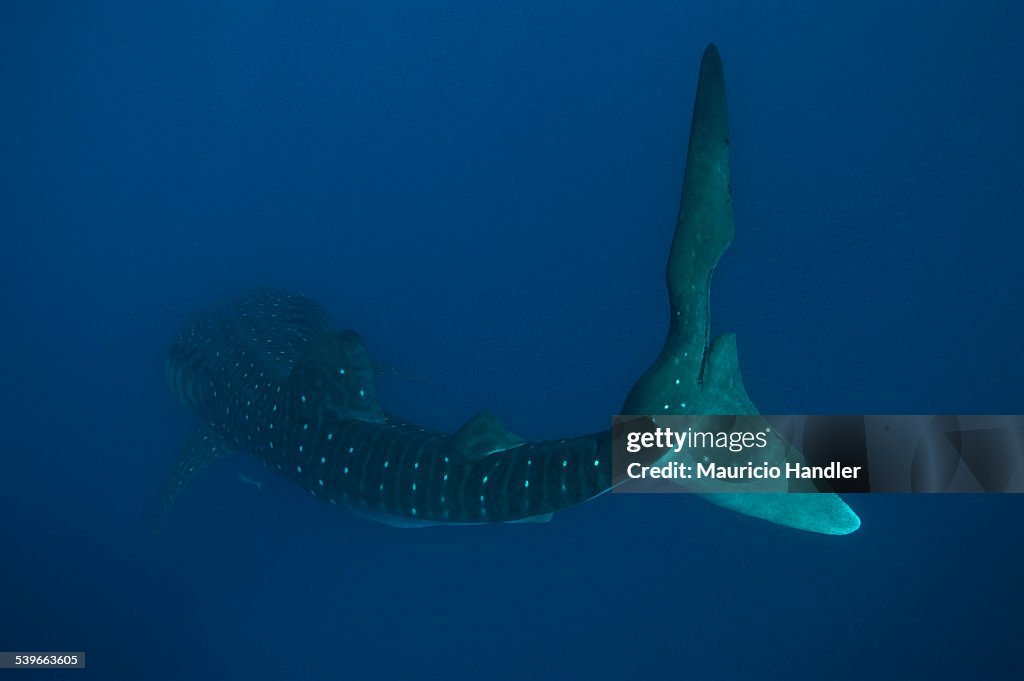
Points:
(267, 373)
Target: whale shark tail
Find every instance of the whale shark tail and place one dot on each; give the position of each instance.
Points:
(694, 375)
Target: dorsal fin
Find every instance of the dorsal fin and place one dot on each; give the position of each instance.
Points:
(482, 435)
(333, 380)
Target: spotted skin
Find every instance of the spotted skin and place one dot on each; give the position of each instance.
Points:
(265, 374)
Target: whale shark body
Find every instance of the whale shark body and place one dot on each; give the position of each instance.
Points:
(266, 373)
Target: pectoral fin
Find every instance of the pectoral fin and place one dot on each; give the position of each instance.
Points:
(203, 448)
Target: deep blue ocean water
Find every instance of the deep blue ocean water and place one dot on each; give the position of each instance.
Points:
(486, 191)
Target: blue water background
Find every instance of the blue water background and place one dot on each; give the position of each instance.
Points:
(486, 191)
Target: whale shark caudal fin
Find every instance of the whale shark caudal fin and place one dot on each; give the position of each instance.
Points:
(693, 375)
